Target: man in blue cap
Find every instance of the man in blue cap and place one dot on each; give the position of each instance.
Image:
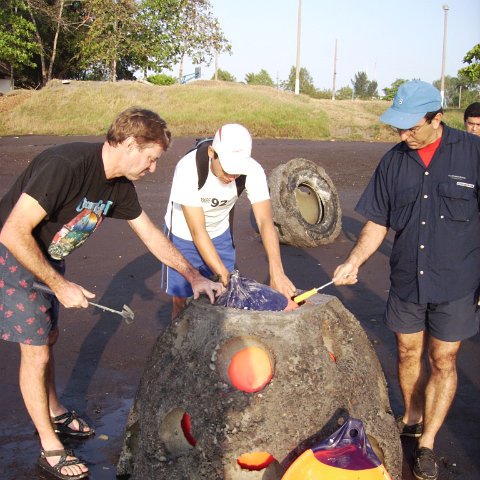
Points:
(426, 189)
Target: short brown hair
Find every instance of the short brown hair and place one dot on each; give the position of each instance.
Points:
(145, 126)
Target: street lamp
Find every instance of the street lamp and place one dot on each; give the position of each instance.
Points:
(299, 28)
(442, 81)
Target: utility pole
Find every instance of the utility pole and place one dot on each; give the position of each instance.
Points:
(442, 81)
(299, 29)
(334, 70)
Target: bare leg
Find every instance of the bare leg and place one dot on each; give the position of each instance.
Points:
(412, 374)
(178, 305)
(56, 408)
(441, 387)
(33, 378)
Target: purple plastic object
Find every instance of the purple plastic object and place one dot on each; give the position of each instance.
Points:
(348, 448)
(247, 294)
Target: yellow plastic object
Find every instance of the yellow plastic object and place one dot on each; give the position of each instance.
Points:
(303, 296)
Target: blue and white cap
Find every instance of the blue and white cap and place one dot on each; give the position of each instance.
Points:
(413, 100)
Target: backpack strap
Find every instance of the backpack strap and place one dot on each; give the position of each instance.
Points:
(202, 160)
(203, 163)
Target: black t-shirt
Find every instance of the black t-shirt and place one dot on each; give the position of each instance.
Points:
(69, 182)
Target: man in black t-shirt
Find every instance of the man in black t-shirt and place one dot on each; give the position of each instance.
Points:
(54, 206)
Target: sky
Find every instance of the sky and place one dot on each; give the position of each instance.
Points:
(387, 39)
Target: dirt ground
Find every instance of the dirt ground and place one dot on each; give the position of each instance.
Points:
(100, 359)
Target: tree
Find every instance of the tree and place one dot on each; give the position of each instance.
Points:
(200, 36)
(111, 36)
(306, 81)
(451, 92)
(458, 91)
(224, 76)
(363, 87)
(391, 91)
(157, 46)
(52, 19)
(345, 93)
(472, 71)
(260, 78)
(17, 44)
(323, 94)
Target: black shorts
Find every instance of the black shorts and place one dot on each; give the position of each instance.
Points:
(26, 315)
(450, 321)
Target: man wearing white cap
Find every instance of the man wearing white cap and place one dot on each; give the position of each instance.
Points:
(199, 211)
(426, 189)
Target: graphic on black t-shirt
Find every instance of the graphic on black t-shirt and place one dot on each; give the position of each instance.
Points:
(76, 232)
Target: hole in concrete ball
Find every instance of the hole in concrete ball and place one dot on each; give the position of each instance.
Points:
(175, 432)
(246, 364)
(255, 461)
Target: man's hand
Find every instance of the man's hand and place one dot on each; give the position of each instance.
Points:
(345, 274)
(200, 285)
(71, 295)
(283, 284)
(369, 240)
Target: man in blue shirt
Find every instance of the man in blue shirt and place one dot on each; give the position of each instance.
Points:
(426, 188)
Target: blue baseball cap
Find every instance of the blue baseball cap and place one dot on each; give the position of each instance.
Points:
(413, 100)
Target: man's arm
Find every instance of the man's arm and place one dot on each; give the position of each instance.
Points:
(278, 280)
(17, 236)
(166, 252)
(369, 241)
(195, 219)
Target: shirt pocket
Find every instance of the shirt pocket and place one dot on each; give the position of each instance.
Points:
(403, 204)
(457, 203)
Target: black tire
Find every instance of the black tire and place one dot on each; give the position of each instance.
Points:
(306, 208)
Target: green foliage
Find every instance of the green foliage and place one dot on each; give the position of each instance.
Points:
(345, 93)
(458, 92)
(161, 79)
(323, 94)
(17, 44)
(363, 87)
(391, 91)
(306, 82)
(224, 76)
(472, 71)
(200, 36)
(111, 36)
(156, 45)
(106, 39)
(260, 78)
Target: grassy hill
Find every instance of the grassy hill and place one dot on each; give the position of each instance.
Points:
(194, 109)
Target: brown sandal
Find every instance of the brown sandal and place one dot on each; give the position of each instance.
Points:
(61, 425)
(55, 470)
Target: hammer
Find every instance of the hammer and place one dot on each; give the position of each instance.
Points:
(126, 313)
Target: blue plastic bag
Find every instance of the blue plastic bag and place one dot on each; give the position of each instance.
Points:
(247, 294)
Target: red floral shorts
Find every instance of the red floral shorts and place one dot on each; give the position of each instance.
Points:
(26, 315)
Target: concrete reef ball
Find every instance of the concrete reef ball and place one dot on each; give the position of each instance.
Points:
(302, 375)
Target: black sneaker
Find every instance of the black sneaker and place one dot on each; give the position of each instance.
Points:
(405, 430)
(424, 465)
